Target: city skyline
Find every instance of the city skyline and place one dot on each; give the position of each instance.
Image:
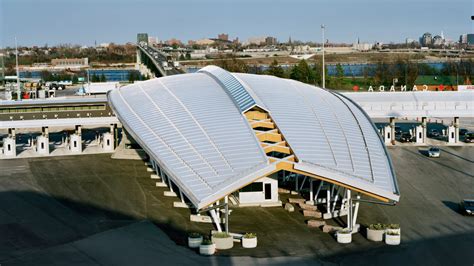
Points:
(87, 22)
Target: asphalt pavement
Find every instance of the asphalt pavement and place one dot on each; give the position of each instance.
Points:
(94, 210)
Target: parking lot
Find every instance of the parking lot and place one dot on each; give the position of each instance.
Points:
(91, 209)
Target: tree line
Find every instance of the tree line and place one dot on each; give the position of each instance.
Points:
(381, 73)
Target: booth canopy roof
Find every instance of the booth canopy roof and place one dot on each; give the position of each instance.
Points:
(193, 126)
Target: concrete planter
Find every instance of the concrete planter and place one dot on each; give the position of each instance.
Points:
(207, 249)
(393, 231)
(194, 242)
(344, 237)
(223, 242)
(375, 235)
(392, 239)
(249, 242)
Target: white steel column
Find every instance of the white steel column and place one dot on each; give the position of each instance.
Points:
(328, 201)
(163, 180)
(356, 211)
(311, 190)
(317, 191)
(336, 198)
(216, 220)
(226, 201)
(349, 213)
(170, 184)
(181, 196)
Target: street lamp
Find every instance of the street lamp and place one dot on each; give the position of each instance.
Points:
(18, 93)
(323, 27)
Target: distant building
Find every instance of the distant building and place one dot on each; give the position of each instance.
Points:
(426, 39)
(256, 40)
(271, 41)
(470, 39)
(362, 47)
(153, 40)
(142, 37)
(174, 41)
(70, 62)
(223, 37)
(463, 39)
(204, 42)
(437, 40)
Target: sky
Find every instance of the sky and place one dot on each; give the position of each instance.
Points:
(84, 22)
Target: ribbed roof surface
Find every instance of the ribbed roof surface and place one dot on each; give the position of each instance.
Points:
(326, 131)
(242, 96)
(193, 125)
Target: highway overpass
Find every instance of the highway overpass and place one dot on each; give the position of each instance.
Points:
(157, 61)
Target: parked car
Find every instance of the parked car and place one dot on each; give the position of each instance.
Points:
(398, 131)
(469, 137)
(406, 137)
(434, 152)
(467, 206)
(434, 133)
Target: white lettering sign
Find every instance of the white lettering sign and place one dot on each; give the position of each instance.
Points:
(404, 88)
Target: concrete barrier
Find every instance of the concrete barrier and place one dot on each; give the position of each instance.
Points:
(296, 200)
(314, 214)
(330, 228)
(308, 207)
(169, 194)
(316, 223)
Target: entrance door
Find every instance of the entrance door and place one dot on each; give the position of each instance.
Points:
(268, 191)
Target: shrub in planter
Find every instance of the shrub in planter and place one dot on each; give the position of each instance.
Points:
(344, 236)
(375, 232)
(392, 238)
(207, 247)
(393, 228)
(194, 240)
(249, 240)
(223, 240)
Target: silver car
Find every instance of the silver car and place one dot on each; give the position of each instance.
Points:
(434, 152)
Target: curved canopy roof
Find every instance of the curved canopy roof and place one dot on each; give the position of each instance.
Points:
(194, 126)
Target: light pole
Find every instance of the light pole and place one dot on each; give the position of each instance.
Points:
(18, 89)
(323, 27)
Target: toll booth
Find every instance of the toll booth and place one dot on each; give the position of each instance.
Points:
(9, 147)
(451, 135)
(419, 135)
(387, 135)
(75, 143)
(42, 145)
(108, 142)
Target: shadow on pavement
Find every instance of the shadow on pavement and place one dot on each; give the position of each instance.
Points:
(454, 206)
(423, 153)
(457, 156)
(32, 221)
